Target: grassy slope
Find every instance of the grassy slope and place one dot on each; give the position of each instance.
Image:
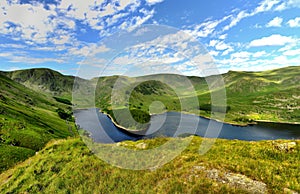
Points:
(44, 80)
(269, 95)
(28, 120)
(68, 166)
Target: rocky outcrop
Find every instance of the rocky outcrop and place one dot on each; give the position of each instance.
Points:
(234, 180)
(287, 147)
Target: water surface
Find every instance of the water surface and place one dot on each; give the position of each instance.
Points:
(174, 124)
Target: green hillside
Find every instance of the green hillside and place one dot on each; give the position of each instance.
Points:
(44, 80)
(28, 120)
(270, 95)
(231, 166)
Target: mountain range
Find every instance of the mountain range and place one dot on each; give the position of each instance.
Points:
(269, 95)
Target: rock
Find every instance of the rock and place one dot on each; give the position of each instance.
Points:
(287, 147)
(141, 145)
(243, 182)
(233, 179)
(289, 191)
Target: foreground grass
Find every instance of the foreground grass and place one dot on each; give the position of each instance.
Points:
(68, 166)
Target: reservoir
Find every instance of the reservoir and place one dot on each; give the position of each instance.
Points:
(174, 124)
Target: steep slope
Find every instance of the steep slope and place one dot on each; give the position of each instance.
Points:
(28, 120)
(44, 80)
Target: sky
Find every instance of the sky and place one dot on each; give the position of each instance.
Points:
(118, 36)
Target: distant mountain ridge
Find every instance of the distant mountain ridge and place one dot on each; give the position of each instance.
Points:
(43, 80)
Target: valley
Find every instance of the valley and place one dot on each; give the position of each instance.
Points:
(41, 150)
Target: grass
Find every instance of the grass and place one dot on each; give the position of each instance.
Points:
(28, 120)
(10, 155)
(68, 166)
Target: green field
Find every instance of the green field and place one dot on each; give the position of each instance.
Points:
(67, 166)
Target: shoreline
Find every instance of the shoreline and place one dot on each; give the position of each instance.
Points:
(142, 132)
(124, 129)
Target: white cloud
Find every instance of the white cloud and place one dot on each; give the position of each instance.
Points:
(281, 60)
(17, 57)
(222, 46)
(214, 53)
(206, 28)
(223, 36)
(276, 22)
(90, 49)
(213, 43)
(93, 12)
(288, 4)
(139, 20)
(273, 40)
(243, 54)
(265, 5)
(152, 2)
(295, 52)
(94, 62)
(236, 19)
(27, 21)
(227, 51)
(259, 54)
(33, 23)
(293, 23)
(18, 46)
(261, 60)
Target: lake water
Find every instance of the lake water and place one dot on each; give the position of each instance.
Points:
(173, 124)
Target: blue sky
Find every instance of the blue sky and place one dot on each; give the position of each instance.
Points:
(66, 35)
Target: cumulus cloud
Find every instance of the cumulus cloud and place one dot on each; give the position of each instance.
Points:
(276, 22)
(293, 23)
(26, 21)
(273, 40)
(36, 22)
